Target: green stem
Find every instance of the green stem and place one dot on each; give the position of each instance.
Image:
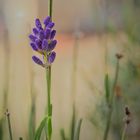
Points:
(73, 123)
(110, 105)
(9, 125)
(48, 78)
(73, 84)
(124, 132)
(50, 5)
(49, 110)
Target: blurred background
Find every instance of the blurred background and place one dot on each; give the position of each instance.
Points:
(96, 30)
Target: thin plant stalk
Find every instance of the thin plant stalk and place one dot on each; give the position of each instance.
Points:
(48, 79)
(49, 109)
(6, 74)
(110, 105)
(32, 121)
(9, 124)
(74, 69)
(62, 133)
(7, 64)
(32, 117)
(50, 6)
(124, 132)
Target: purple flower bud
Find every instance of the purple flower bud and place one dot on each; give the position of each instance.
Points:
(51, 57)
(53, 34)
(32, 37)
(37, 61)
(41, 34)
(38, 24)
(47, 20)
(47, 33)
(38, 43)
(35, 31)
(52, 45)
(34, 47)
(50, 25)
(45, 44)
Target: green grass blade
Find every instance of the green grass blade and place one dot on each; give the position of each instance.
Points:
(62, 133)
(107, 88)
(32, 122)
(40, 128)
(1, 129)
(73, 123)
(77, 131)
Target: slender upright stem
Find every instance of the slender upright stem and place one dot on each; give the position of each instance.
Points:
(124, 132)
(9, 125)
(32, 118)
(50, 6)
(73, 84)
(115, 81)
(48, 78)
(110, 105)
(75, 57)
(49, 109)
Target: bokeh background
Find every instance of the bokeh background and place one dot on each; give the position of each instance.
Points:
(100, 29)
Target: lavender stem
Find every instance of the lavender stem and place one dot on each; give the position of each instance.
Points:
(49, 120)
(50, 5)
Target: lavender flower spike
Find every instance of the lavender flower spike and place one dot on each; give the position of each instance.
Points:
(43, 41)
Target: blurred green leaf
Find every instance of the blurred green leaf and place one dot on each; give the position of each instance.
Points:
(62, 133)
(1, 129)
(107, 88)
(77, 131)
(73, 123)
(40, 128)
(32, 122)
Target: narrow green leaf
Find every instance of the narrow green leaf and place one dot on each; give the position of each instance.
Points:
(73, 123)
(77, 131)
(1, 129)
(107, 87)
(32, 122)
(62, 133)
(40, 128)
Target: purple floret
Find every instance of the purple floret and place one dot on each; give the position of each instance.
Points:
(52, 45)
(52, 34)
(34, 47)
(47, 21)
(51, 57)
(32, 37)
(35, 31)
(37, 60)
(38, 24)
